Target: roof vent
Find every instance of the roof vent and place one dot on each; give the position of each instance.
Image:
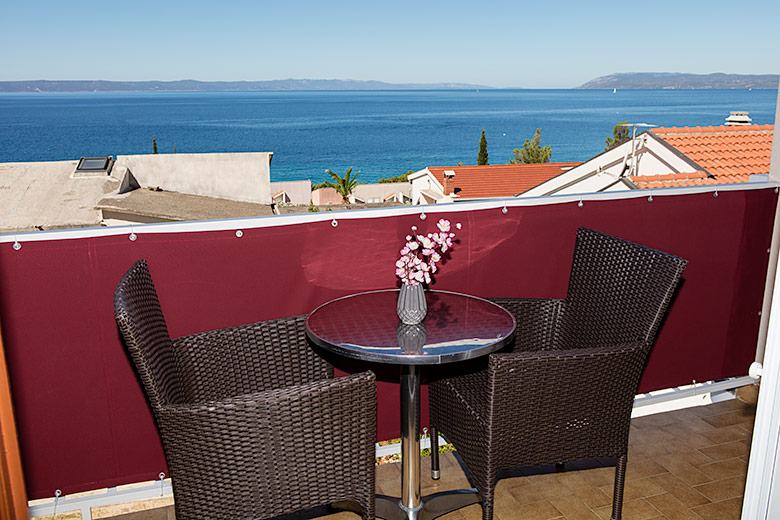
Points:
(449, 173)
(94, 167)
(738, 118)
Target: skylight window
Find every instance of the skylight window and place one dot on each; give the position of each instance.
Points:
(89, 166)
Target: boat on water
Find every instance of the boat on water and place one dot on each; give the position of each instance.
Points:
(614, 91)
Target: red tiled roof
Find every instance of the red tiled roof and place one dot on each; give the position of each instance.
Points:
(729, 153)
(499, 180)
(670, 180)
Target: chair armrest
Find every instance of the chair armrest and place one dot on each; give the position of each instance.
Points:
(537, 319)
(282, 442)
(246, 359)
(565, 393)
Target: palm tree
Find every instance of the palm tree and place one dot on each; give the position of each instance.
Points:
(344, 185)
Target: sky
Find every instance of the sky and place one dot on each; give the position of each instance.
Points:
(507, 44)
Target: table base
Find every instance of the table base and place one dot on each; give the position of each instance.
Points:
(432, 506)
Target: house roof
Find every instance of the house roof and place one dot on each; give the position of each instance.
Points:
(499, 180)
(172, 206)
(729, 154)
(674, 180)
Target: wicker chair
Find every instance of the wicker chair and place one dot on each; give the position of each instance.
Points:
(252, 421)
(565, 391)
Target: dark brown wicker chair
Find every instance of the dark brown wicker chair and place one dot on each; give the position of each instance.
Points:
(565, 391)
(252, 421)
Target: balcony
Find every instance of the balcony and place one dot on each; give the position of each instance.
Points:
(84, 424)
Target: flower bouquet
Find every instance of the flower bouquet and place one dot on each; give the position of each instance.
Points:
(416, 266)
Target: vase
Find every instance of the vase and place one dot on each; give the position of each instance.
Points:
(411, 338)
(411, 304)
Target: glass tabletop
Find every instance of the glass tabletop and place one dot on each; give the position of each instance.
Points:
(365, 326)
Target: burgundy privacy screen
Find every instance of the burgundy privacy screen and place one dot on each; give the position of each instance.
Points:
(83, 419)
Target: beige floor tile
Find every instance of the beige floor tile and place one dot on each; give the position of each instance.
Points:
(541, 510)
(585, 491)
(635, 489)
(672, 508)
(632, 510)
(536, 492)
(680, 490)
(725, 468)
(726, 434)
(573, 508)
(729, 418)
(723, 489)
(683, 470)
(726, 510)
(728, 450)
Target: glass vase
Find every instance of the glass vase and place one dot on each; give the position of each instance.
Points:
(412, 307)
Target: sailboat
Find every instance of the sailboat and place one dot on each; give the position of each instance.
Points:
(614, 91)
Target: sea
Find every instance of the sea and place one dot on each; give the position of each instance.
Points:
(378, 133)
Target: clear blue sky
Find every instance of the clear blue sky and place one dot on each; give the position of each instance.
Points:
(539, 44)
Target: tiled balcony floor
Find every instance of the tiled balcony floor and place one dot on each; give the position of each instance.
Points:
(686, 464)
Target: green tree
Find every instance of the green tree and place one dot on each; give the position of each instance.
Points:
(482, 157)
(325, 184)
(532, 152)
(344, 185)
(395, 178)
(312, 207)
(620, 134)
(154, 145)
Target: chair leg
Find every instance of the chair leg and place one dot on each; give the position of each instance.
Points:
(435, 471)
(620, 480)
(487, 505)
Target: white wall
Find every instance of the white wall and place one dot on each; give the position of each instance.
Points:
(423, 180)
(584, 179)
(377, 192)
(234, 176)
(298, 191)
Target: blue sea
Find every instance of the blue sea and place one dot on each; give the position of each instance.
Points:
(379, 133)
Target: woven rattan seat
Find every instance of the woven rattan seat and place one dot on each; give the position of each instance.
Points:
(252, 421)
(565, 390)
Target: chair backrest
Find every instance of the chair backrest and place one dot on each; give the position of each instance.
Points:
(618, 292)
(145, 334)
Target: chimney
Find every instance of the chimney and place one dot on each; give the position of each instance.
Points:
(449, 182)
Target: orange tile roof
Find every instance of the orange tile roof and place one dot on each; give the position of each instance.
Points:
(499, 180)
(730, 154)
(669, 180)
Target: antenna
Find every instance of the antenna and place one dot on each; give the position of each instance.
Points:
(632, 168)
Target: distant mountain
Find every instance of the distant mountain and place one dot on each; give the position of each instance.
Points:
(189, 85)
(675, 80)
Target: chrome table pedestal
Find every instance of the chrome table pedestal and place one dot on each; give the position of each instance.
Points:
(457, 328)
(412, 505)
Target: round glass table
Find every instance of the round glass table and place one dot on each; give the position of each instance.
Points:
(457, 327)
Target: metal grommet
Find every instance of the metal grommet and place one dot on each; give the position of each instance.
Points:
(17, 246)
(650, 198)
(580, 204)
(334, 223)
(715, 194)
(57, 493)
(504, 210)
(133, 237)
(423, 216)
(239, 234)
(161, 475)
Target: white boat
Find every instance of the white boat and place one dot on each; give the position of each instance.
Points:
(614, 91)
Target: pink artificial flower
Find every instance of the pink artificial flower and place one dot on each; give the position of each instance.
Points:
(443, 225)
